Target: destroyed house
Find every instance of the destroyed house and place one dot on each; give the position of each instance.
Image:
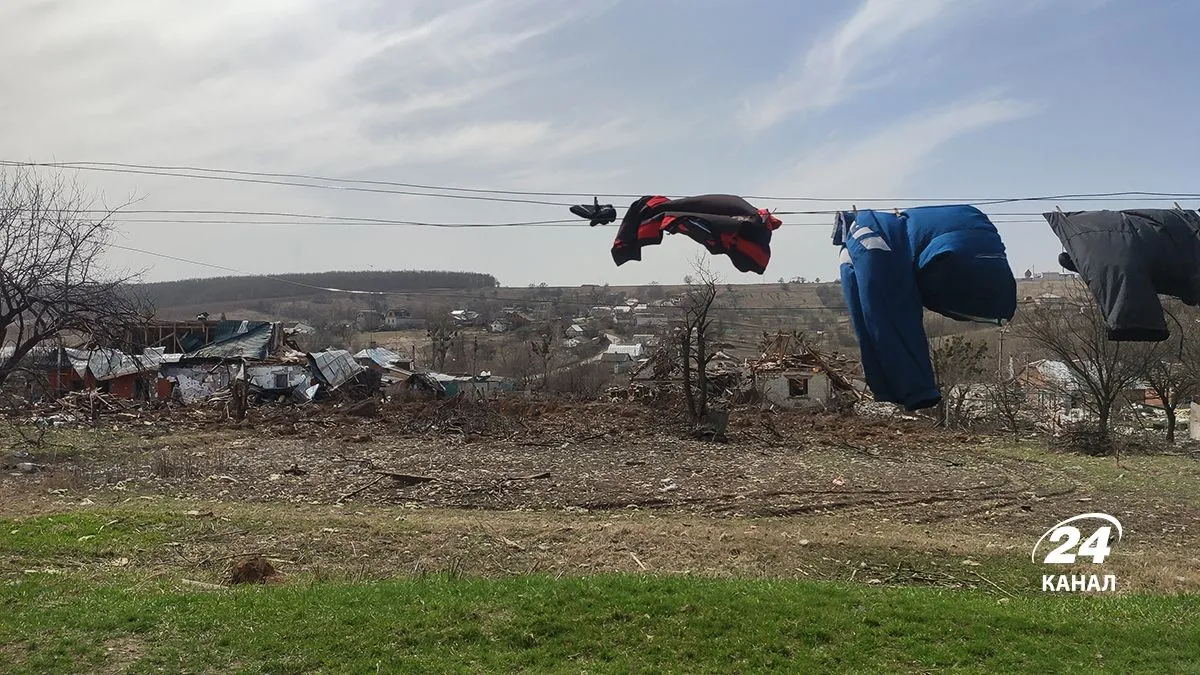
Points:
(482, 386)
(105, 370)
(186, 337)
(791, 374)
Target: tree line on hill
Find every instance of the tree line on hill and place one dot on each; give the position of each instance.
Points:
(239, 288)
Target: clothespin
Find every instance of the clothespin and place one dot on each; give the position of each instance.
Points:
(1177, 206)
(1058, 208)
(854, 209)
(896, 211)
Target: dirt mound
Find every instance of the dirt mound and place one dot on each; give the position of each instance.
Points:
(255, 570)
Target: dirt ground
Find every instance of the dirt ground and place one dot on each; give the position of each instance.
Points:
(523, 486)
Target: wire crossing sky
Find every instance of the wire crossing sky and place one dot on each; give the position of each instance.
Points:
(303, 136)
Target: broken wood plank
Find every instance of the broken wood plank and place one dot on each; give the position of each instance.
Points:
(405, 479)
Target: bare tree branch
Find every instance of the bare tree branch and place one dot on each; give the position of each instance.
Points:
(52, 280)
(1074, 333)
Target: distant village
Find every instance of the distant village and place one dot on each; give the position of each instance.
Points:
(627, 345)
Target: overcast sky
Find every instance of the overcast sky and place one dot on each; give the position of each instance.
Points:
(847, 100)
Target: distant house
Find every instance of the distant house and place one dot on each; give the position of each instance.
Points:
(1050, 384)
(368, 320)
(622, 357)
(651, 320)
(517, 318)
(400, 319)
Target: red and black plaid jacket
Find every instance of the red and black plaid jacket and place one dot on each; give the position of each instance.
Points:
(724, 224)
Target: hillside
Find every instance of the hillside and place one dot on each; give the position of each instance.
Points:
(744, 311)
(235, 289)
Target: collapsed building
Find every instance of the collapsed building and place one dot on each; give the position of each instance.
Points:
(786, 373)
(195, 360)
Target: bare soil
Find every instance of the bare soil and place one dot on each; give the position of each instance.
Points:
(525, 485)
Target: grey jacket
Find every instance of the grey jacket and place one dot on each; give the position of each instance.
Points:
(1129, 258)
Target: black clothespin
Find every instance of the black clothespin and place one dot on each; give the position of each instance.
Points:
(897, 211)
(1058, 208)
(598, 214)
(1177, 206)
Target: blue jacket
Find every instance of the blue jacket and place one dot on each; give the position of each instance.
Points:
(948, 259)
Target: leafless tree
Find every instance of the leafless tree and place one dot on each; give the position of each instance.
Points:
(52, 277)
(1006, 400)
(695, 337)
(544, 347)
(441, 331)
(1172, 367)
(957, 363)
(1073, 332)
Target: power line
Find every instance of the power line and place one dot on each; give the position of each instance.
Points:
(351, 223)
(347, 223)
(488, 194)
(286, 183)
(305, 216)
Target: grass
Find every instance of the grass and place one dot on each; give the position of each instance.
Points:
(610, 623)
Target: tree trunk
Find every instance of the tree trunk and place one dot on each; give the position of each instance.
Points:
(688, 396)
(702, 374)
(1103, 413)
(1170, 424)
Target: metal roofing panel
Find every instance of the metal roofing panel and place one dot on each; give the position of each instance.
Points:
(246, 340)
(380, 355)
(335, 367)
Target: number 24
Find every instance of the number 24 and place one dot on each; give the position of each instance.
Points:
(1095, 546)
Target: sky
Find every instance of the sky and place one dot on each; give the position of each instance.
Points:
(900, 100)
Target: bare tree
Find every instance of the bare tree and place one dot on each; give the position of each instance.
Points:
(52, 280)
(1074, 332)
(544, 347)
(957, 362)
(1006, 400)
(1172, 367)
(441, 331)
(695, 337)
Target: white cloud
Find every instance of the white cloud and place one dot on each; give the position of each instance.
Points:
(833, 69)
(305, 83)
(882, 162)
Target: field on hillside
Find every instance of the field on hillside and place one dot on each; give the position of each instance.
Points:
(496, 519)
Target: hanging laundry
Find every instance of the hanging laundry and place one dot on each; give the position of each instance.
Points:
(1129, 258)
(948, 259)
(724, 224)
(599, 214)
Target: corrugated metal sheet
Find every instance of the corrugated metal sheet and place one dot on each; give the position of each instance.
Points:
(335, 367)
(109, 364)
(380, 355)
(238, 340)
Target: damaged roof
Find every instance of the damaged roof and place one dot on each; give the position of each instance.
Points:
(108, 364)
(380, 355)
(335, 367)
(236, 340)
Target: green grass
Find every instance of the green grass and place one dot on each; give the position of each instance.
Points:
(87, 535)
(613, 624)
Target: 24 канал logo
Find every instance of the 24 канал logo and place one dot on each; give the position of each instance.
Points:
(1074, 547)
